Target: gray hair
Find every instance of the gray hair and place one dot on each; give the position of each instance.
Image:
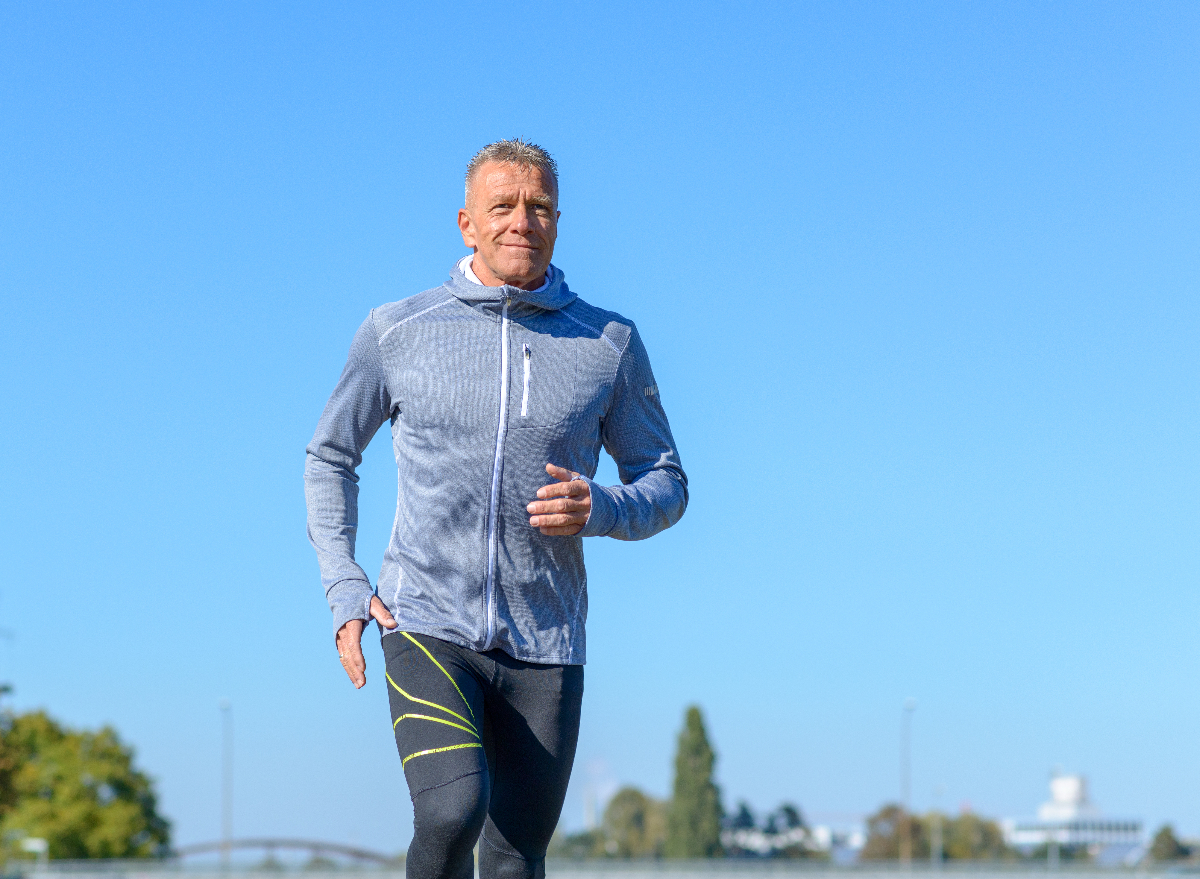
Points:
(517, 152)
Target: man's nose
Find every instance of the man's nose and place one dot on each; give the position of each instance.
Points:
(521, 218)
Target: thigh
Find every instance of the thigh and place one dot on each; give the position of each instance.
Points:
(533, 718)
(437, 704)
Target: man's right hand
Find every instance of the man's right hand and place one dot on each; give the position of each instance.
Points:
(349, 642)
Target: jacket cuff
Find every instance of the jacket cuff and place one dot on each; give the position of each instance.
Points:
(603, 515)
(350, 600)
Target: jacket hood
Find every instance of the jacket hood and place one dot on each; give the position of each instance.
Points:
(551, 297)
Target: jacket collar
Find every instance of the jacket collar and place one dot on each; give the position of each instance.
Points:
(551, 297)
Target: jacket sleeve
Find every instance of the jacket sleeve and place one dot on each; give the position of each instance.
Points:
(653, 493)
(358, 406)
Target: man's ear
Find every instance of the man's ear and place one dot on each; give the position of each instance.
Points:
(466, 227)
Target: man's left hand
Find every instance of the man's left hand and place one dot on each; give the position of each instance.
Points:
(562, 507)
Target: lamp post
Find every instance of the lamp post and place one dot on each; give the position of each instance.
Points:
(226, 781)
(935, 842)
(910, 705)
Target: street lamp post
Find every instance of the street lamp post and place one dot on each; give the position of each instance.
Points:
(910, 705)
(226, 781)
(936, 843)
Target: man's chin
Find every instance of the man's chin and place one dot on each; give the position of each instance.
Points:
(522, 275)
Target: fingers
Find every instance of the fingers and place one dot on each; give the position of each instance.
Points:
(349, 642)
(573, 488)
(380, 612)
(561, 497)
(569, 531)
(355, 665)
(559, 520)
(561, 473)
(349, 648)
(562, 508)
(559, 511)
(570, 504)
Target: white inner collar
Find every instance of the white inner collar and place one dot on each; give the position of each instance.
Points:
(465, 265)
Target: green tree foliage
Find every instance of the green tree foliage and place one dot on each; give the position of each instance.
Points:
(884, 829)
(966, 837)
(971, 838)
(1167, 847)
(694, 817)
(635, 825)
(578, 846)
(78, 790)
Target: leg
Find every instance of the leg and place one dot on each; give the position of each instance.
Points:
(437, 709)
(533, 718)
(446, 824)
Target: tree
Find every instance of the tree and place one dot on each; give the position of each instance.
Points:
(694, 819)
(883, 834)
(966, 837)
(743, 819)
(792, 836)
(78, 790)
(578, 846)
(635, 825)
(971, 838)
(788, 816)
(1167, 847)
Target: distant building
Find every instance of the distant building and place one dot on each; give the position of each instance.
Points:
(1069, 820)
(785, 833)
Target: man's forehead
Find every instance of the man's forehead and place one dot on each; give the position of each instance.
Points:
(497, 177)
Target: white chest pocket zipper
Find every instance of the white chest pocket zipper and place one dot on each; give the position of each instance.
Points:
(525, 392)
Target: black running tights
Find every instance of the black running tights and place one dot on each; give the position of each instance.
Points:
(487, 743)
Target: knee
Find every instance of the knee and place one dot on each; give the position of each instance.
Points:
(500, 861)
(447, 819)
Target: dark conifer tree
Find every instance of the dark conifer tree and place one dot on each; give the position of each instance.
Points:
(1166, 846)
(694, 820)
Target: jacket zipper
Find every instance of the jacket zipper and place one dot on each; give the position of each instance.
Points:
(493, 507)
(525, 392)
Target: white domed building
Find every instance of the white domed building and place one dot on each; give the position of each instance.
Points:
(1069, 820)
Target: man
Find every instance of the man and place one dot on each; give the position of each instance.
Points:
(500, 386)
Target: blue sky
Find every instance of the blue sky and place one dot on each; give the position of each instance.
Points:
(919, 282)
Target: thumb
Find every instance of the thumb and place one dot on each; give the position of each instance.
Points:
(380, 612)
(561, 473)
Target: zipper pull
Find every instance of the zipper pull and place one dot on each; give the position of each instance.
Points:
(525, 392)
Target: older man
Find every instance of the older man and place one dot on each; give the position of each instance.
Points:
(500, 386)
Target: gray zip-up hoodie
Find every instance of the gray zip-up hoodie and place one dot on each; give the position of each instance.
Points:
(483, 387)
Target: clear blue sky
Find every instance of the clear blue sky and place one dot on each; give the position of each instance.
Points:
(919, 282)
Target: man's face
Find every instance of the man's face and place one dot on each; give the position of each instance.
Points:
(512, 224)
